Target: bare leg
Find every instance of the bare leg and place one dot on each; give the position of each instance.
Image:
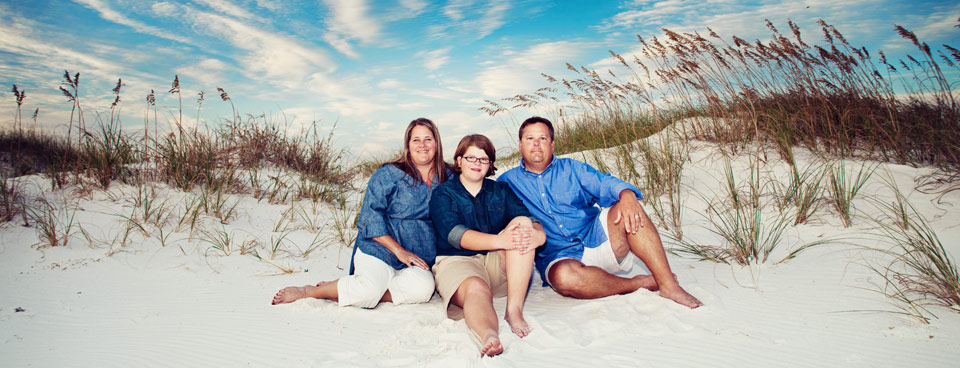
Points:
(324, 290)
(571, 278)
(518, 267)
(647, 245)
(475, 298)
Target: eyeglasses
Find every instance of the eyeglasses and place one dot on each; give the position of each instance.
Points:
(483, 160)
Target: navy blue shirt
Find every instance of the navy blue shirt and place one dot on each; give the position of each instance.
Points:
(454, 211)
(397, 205)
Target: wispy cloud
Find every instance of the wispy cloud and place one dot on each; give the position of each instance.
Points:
(471, 19)
(207, 72)
(408, 9)
(435, 59)
(350, 20)
(228, 8)
(266, 56)
(520, 72)
(112, 15)
(341, 44)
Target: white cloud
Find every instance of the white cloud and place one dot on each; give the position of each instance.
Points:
(269, 56)
(521, 72)
(388, 84)
(228, 8)
(414, 6)
(471, 19)
(433, 60)
(454, 9)
(341, 44)
(268, 4)
(350, 18)
(206, 72)
(116, 17)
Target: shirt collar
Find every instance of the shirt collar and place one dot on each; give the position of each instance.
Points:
(523, 168)
(483, 185)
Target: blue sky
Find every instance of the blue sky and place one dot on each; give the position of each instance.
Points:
(372, 66)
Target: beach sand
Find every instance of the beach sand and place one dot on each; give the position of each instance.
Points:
(96, 302)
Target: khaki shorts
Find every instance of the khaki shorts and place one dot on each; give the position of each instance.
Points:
(450, 271)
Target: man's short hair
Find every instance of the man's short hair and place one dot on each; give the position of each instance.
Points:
(536, 120)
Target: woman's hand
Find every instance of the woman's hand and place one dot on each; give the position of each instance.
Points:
(410, 259)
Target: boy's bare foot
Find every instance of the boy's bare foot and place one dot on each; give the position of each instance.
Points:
(290, 294)
(517, 323)
(491, 346)
(681, 296)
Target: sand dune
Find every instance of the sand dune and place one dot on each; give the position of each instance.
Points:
(186, 304)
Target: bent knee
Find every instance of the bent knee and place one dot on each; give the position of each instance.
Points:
(474, 286)
(414, 286)
(565, 277)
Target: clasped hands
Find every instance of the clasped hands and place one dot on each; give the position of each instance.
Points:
(520, 233)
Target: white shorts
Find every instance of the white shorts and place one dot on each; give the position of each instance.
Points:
(602, 255)
(373, 277)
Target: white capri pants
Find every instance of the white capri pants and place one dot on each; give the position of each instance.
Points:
(373, 277)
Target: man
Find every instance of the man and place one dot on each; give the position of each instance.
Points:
(585, 245)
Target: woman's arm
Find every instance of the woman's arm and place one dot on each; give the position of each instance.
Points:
(405, 256)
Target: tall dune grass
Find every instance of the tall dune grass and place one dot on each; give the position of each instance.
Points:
(838, 100)
(831, 97)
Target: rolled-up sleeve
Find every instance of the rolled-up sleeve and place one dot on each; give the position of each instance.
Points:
(605, 188)
(445, 220)
(372, 221)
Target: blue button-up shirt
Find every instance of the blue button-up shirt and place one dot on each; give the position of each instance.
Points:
(397, 205)
(565, 197)
(454, 211)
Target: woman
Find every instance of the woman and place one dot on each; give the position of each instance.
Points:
(396, 243)
(485, 245)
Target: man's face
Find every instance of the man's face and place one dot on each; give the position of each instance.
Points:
(536, 147)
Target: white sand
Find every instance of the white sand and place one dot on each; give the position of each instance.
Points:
(185, 304)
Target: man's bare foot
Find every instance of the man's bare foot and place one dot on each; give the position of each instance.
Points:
(517, 323)
(491, 346)
(648, 282)
(290, 294)
(322, 283)
(681, 296)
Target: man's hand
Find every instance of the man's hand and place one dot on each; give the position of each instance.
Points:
(629, 212)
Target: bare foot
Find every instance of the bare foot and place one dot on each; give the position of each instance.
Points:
(648, 282)
(290, 294)
(491, 346)
(517, 324)
(681, 296)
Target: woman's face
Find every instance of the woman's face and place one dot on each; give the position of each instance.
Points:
(473, 171)
(422, 146)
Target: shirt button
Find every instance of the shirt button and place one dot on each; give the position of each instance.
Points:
(543, 194)
(561, 226)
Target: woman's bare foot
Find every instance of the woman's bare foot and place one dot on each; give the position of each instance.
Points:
(290, 294)
(517, 323)
(681, 296)
(491, 346)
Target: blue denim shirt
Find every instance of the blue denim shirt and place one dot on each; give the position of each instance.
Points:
(397, 205)
(565, 197)
(454, 211)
